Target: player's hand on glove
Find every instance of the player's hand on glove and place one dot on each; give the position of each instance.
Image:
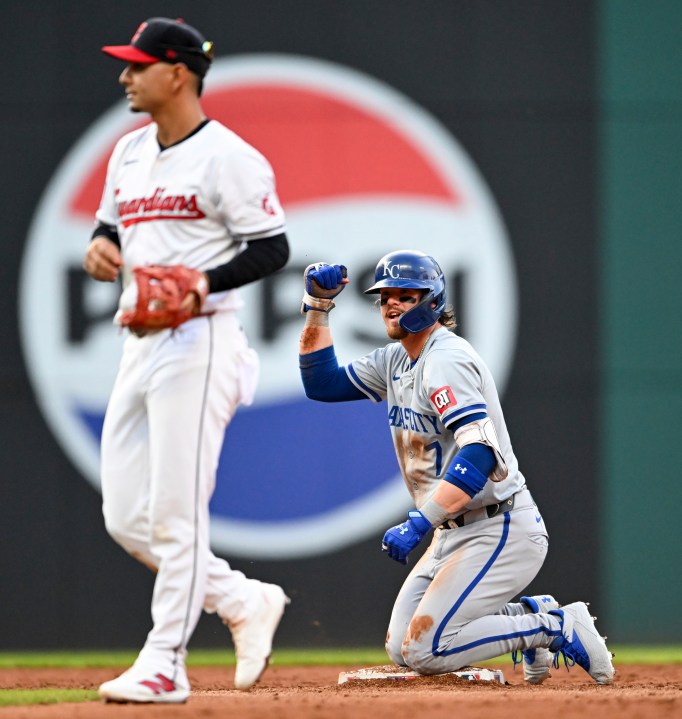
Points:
(322, 282)
(161, 297)
(400, 540)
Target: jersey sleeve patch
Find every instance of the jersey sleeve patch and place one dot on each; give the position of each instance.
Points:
(443, 399)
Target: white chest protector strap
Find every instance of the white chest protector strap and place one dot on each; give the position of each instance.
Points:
(482, 431)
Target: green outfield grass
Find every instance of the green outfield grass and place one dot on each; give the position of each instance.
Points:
(17, 697)
(644, 654)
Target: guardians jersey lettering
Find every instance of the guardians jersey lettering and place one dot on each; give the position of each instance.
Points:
(158, 207)
(406, 418)
(212, 178)
(193, 203)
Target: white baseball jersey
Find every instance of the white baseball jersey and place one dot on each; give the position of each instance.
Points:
(193, 203)
(448, 381)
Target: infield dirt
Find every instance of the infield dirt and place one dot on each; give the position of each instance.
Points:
(639, 692)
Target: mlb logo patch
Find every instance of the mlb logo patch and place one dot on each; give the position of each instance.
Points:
(443, 398)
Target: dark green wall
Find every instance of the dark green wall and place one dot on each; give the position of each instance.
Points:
(641, 330)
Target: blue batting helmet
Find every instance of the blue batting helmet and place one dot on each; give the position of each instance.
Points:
(412, 269)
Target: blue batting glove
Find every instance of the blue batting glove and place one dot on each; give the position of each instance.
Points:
(399, 541)
(325, 281)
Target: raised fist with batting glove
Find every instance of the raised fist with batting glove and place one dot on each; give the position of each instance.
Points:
(322, 282)
(400, 540)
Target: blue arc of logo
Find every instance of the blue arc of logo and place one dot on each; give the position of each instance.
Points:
(295, 460)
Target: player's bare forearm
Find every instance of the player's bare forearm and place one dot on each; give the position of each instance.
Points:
(451, 498)
(314, 336)
(103, 259)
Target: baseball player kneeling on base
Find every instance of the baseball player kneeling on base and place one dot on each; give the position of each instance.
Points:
(489, 540)
(189, 213)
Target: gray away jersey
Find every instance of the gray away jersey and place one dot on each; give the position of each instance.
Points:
(449, 381)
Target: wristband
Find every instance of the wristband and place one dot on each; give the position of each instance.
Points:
(316, 303)
(433, 512)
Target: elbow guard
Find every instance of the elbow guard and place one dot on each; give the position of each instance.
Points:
(483, 432)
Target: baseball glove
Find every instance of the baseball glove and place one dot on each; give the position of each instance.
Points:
(159, 297)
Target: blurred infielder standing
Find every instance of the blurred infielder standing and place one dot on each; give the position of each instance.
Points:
(456, 458)
(183, 190)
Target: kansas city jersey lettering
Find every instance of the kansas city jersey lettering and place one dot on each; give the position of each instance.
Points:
(158, 207)
(443, 398)
(407, 418)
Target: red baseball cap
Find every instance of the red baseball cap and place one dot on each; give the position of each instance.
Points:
(161, 39)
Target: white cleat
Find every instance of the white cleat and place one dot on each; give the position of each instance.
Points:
(582, 644)
(149, 688)
(253, 636)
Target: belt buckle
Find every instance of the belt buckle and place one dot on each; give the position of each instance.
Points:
(505, 505)
(492, 510)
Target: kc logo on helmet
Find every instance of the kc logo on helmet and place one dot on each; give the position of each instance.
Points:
(341, 207)
(393, 271)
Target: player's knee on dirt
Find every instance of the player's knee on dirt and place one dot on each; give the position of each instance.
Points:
(422, 661)
(417, 649)
(416, 653)
(393, 649)
(420, 658)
